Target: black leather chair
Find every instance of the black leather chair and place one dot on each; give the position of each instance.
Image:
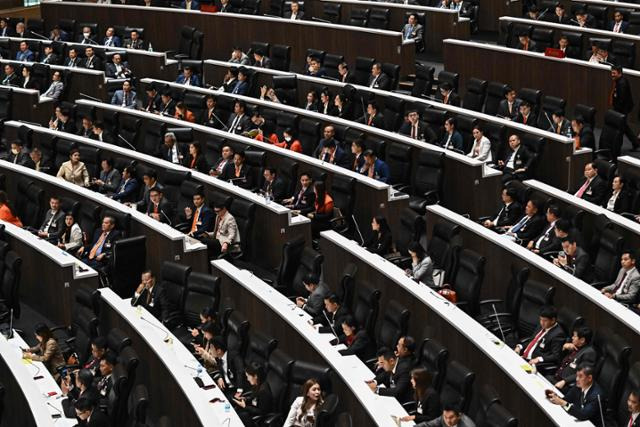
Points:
(5, 103)
(117, 340)
(77, 337)
(467, 279)
(412, 227)
(327, 415)
(346, 288)
(310, 261)
(499, 416)
(366, 305)
(117, 400)
(138, 404)
(127, 264)
(475, 96)
(89, 219)
(363, 70)
(395, 323)
(495, 94)
(235, 332)
(301, 371)
(184, 44)
(202, 291)
(30, 203)
(393, 72)
(286, 88)
(330, 64)
(280, 57)
(509, 305)
(607, 259)
(342, 191)
(278, 376)
(533, 97)
(259, 348)
(612, 133)
(11, 277)
(426, 185)
(379, 18)
(399, 162)
(445, 237)
(244, 212)
(359, 17)
(612, 366)
(483, 398)
(129, 131)
(332, 12)
(153, 137)
(458, 385)
(393, 113)
(449, 77)
(433, 357)
(549, 105)
(174, 281)
(423, 82)
(632, 383)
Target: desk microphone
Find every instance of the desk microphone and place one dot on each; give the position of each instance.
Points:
(10, 325)
(39, 35)
(330, 325)
(37, 371)
(55, 409)
(166, 337)
(84, 95)
(498, 320)
(549, 120)
(165, 215)
(357, 229)
(544, 12)
(215, 116)
(127, 142)
(601, 413)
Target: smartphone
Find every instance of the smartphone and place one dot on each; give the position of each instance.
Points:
(209, 387)
(548, 393)
(561, 254)
(56, 416)
(216, 400)
(39, 377)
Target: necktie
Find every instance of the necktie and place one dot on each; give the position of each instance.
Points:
(583, 189)
(619, 284)
(155, 208)
(97, 248)
(414, 132)
(48, 225)
(149, 297)
(532, 344)
(576, 141)
(194, 223)
(524, 119)
(519, 225)
(616, 29)
(236, 120)
(630, 421)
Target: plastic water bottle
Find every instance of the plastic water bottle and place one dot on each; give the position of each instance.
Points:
(227, 407)
(199, 371)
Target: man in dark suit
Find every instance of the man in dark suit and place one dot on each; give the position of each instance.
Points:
(621, 100)
(10, 77)
(98, 253)
(593, 189)
(25, 54)
(159, 208)
(167, 105)
(228, 372)
(53, 223)
(582, 134)
(331, 317)
(525, 43)
(16, 155)
(545, 345)
(304, 198)
(633, 406)
(565, 46)
(510, 106)
(226, 7)
(72, 59)
(224, 167)
(373, 117)
(49, 57)
(274, 185)
(345, 76)
(110, 38)
(127, 191)
(378, 79)
(89, 415)
(109, 179)
(151, 295)
(100, 134)
(451, 416)
(38, 162)
(238, 122)
(576, 352)
(560, 16)
(530, 225)
(448, 96)
(188, 78)
(547, 240)
(517, 162)
(412, 127)
(295, 12)
(91, 61)
(232, 82)
(395, 376)
(117, 69)
(574, 260)
(135, 42)
(561, 125)
(86, 37)
(618, 25)
(104, 383)
(333, 154)
(5, 31)
(171, 150)
(260, 59)
(584, 401)
(199, 217)
(328, 134)
(313, 302)
(190, 5)
(509, 213)
(153, 102)
(526, 116)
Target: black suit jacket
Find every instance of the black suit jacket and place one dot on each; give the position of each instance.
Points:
(396, 384)
(107, 247)
(508, 215)
(348, 78)
(405, 129)
(622, 204)
(57, 224)
(503, 109)
(304, 202)
(580, 265)
(299, 16)
(532, 120)
(331, 323)
(95, 64)
(595, 192)
(52, 59)
(234, 368)
(549, 347)
(200, 164)
(165, 209)
(362, 346)
(383, 82)
(568, 368)
(13, 80)
(377, 121)
(429, 407)
(522, 160)
(243, 125)
(587, 140)
(532, 228)
(98, 419)
(278, 188)
(589, 407)
(622, 97)
(21, 158)
(157, 306)
(454, 99)
(165, 153)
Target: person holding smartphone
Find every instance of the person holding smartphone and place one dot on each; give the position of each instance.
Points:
(255, 402)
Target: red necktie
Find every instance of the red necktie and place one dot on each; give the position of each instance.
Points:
(624, 276)
(531, 345)
(583, 189)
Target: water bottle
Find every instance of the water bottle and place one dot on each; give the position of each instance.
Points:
(199, 371)
(227, 407)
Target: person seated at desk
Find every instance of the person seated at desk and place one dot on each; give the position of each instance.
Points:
(154, 101)
(53, 222)
(56, 88)
(584, 19)
(29, 81)
(452, 416)
(188, 78)
(585, 400)
(151, 295)
(10, 77)
(332, 316)
(268, 94)
(323, 212)
(98, 349)
(274, 187)
(46, 351)
(49, 56)
(509, 213)
(567, 49)
(88, 414)
(134, 41)
(395, 377)
(452, 139)
(529, 226)
(619, 200)
(110, 38)
(304, 198)
(238, 122)
(71, 237)
(412, 127)
(421, 265)
(357, 154)
(207, 316)
(355, 339)
(5, 31)
(119, 69)
(593, 189)
(127, 191)
(21, 31)
(304, 409)
(167, 104)
(91, 61)
(311, 101)
(545, 345)
(526, 116)
(427, 400)
(190, 5)
(412, 30)
(374, 167)
(618, 25)
(290, 141)
(344, 76)
(577, 351)
(183, 113)
(86, 37)
(150, 180)
(226, 7)
(317, 291)
(109, 180)
(205, 350)
(72, 60)
(447, 95)
(525, 43)
(223, 168)
(239, 57)
(481, 149)
(104, 384)
(232, 83)
(560, 16)
(199, 217)
(37, 162)
(260, 59)
(333, 154)
(560, 126)
(509, 107)
(378, 79)
(582, 134)
(626, 288)
(158, 207)
(601, 55)
(76, 385)
(225, 236)
(195, 159)
(238, 173)
(98, 254)
(86, 129)
(373, 116)
(547, 241)
(73, 170)
(16, 155)
(228, 367)
(211, 114)
(574, 260)
(63, 122)
(325, 105)
(517, 162)
(258, 401)
(57, 34)
(379, 240)
(532, 13)
(125, 97)
(315, 68)
(25, 54)
(171, 150)
(294, 13)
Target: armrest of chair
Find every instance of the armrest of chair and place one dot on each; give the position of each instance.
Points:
(603, 153)
(183, 226)
(490, 301)
(403, 188)
(410, 406)
(483, 218)
(629, 215)
(432, 197)
(599, 285)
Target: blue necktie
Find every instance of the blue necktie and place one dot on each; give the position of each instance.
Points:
(519, 225)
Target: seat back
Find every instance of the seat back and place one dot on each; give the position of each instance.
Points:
(359, 17)
(260, 348)
(331, 62)
(532, 96)
(612, 132)
(301, 371)
(5, 103)
(393, 72)
(399, 162)
(286, 88)
(612, 365)
(365, 307)
(185, 40)
(549, 105)
(440, 246)
(495, 94)
(449, 77)
(535, 295)
(128, 263)
(235, 332)
(395, 323)
(467, 279)
(278, 376)
(138, 404)
(342, 193)
(393, 113)
(310, 261)
(332, 12)
(280, 57)
(458, 385)
(379, 18)
(203, 290)
(412, 227)
(363, 70)
(244, 212)
(476, 93)
(433, 357)
(423, 83)
(11, 282)
(606, 264)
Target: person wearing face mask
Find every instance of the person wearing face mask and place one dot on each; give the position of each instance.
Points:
(16, 155)
(85, 37)
(290, 141)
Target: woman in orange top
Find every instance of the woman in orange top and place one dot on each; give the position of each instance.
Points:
(321, 217)
(265, 131)
(290, 141)
(7, 211)
(183, 113)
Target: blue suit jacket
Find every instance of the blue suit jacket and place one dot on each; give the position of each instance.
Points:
(194, 5)
(205, 220)
(195, 80)
(27, 55)
(115, 41)
(240, 88)
(127, 191)
(589, 409)
(381, 171)
(119, 94)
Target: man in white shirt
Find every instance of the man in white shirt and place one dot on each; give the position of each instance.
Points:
(633, 406)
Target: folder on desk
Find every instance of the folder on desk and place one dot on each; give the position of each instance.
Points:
(556, 53)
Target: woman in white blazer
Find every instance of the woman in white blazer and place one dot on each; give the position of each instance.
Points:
(481, 149)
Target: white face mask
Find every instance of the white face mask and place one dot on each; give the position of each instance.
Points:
(15, 151)
(287, 138)
(87, 35)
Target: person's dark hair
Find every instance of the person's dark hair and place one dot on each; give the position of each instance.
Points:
(110, 357)
(330, 143)
(409, 343)
(198, 147)
(548, 312)
(479, 128)
(321, 192)
(83, 404)
(73, 151)
(208, 312)
(4, 200)
(240, 104)
(358, 142)
(388, 354)
(586, 369)
(632, 254)
(563, 224)
(584, 332)
(219, 344)
(109, 161)
(209, 327)
(350, 321)
(151, 173)
(558, 113)
(100, 342)
(617, 68)
(451, 121)
(369, 153)
(43, 331)
(452, 407)
(373, 104)
(85, 377)
(418, 249)
(554, 210)
(512, 192)
(310, 279)
(256, 369)
(445, 86)
(271, 170)
(332, 298)
(423, 380)
(570, 239)
(382, 222)
(507, 90)
(307, 174)
(130, 170)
